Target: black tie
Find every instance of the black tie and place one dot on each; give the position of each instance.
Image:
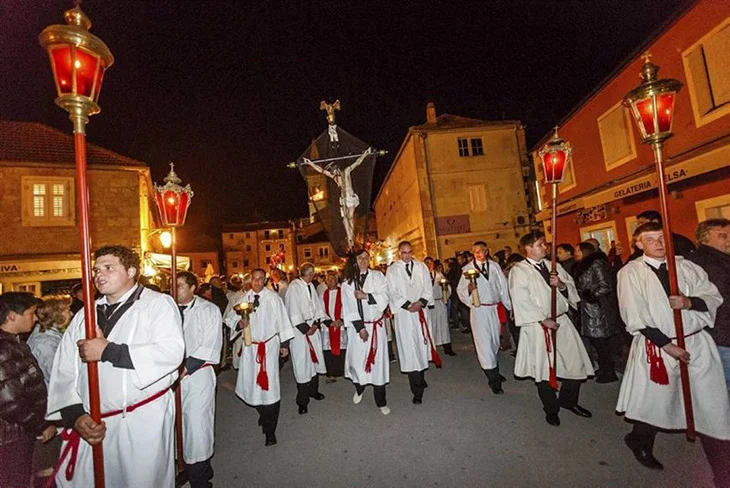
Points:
(255, 301)
(110, 309)
(409, 270)
(485, 271)
(182, 312)
(663, 274)
(542, 268)
(362, 279)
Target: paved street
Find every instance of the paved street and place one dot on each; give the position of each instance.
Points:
(462, 435)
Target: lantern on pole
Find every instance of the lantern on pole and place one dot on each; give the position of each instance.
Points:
(652, 105)
(173, 201)
(78, 61)
(555, 156)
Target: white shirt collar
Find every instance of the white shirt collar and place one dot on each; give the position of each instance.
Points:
(654, 263)
(189, 304)
(105, 301)
(533, 262)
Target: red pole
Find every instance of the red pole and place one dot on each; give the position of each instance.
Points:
(554, 269)
(82, 192)
(674, 289)
(178, 389)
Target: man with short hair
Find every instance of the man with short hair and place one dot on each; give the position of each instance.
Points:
(139, 346)
(682, 245)
(201, 322)
(530, 283)
(493, 291)
(410, 291)
(278, 282)
(713, 256)
(306, 314)
(334, 338)
(565, 257)
(651, 390)
(437, 309)
(258, 381)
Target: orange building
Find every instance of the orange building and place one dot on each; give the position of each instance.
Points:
(612, 177)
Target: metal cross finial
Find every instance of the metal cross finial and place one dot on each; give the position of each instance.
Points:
(172, 176)
(330, 108)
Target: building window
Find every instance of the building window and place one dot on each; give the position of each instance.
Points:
(234, 264)
(281, 234)
(47, 201)
(477, 149)
(230, 236)
(248, 247)
(463, 146)
(707, 66)
(713, 208)
(617, 138)
(267, 247)
(307, 253)
(282, 247)
(477, 195)
(266, 234)
(245, 263)
(248, 235)
(324, 252)
(204, 263)
(604, 233)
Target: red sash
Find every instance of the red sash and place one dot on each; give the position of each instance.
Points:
(73, 439)
(334, 332)
(501, 313)
(262, 378)
(373, 344)
(548, 349)
(312, 352)
(657, 369)
(427, 338)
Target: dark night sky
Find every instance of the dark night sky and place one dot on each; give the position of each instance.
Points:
(230, 91)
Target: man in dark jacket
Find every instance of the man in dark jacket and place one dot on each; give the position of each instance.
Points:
(682, 245)
(23, 399)
(713, 256)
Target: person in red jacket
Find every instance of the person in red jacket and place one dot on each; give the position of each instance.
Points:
(24, 394)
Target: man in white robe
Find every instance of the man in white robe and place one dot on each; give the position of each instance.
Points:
(492, 289)
(410, 292)
(437, 310)
(306, 314)
(278, 283)
(139, 347)
(365, 298)
(201, 321)
(258, 382)
(530, 282)
(651, 391)
(334, 337)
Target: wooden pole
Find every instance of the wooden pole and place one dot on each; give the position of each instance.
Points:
(178, 389)
(674, 289)
(554, 269)
(82, 199)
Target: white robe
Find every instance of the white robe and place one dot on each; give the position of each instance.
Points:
(330, 311)
(304, 305)
(233, 299)
(644, 303)
(357, 351)
(531, 304)
(439, 313)
(269, 324)
(414, 350)
(203, 340)
(138, 446)
(485, 324)
(279, 288)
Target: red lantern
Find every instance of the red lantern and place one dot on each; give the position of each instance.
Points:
(555, 157)
(652, 104)
(173, 200)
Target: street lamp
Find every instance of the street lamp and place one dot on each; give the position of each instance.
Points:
(78, 61)
(652, 105)
(555, 155)
(173, 201)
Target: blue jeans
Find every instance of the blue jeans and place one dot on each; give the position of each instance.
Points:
(725, 358)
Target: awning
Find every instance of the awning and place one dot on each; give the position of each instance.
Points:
(165, 261)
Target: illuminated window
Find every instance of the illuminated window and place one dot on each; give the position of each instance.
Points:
(47, 201)
(707, 66)
(463, 146)
(476, 147)
(617, 138)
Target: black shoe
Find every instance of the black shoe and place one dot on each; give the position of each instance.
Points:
(302, 409)
(317, 396)
(645, 457)
(181, 479)
(609, 378)
(502, 379)
(579, 411)
(417, 401)
(552, 419)
(497, 390)
(270, 440)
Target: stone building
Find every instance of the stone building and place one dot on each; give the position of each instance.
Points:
(455, 180)
(251, 245)
(40, 242)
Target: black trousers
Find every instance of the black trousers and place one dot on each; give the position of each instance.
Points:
(465, 315)
(604, 349)
(716, 450)
(200, 474)
(515, 331)
(335, 364)
(495, 381)
(417, 381)
(269, 417)
(306, 390)
(551, 401)
(378, 393)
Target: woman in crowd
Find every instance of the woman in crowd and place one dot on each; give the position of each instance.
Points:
(54, 315)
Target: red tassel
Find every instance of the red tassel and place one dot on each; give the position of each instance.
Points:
(312, 353)
(657, 369)
(262, 379)
(553, 378)
(502, 313)
(427, 336)
(334, 333)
